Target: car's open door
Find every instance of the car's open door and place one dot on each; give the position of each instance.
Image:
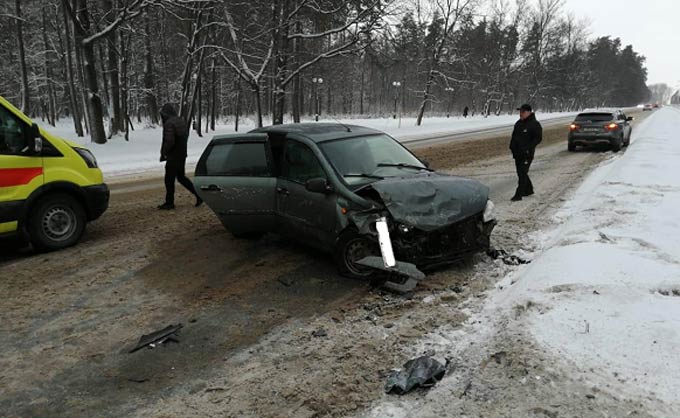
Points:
(235, 178)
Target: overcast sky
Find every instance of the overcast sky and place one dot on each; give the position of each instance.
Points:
(651, 26)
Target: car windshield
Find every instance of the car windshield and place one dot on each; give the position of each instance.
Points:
(367, 158)
(594, 117)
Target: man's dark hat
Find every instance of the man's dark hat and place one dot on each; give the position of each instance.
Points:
(526, 107)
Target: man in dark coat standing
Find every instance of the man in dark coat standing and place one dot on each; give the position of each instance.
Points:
(174, 153)
(528, 133)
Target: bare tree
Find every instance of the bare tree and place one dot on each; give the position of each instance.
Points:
(25, 94)
(450, 12)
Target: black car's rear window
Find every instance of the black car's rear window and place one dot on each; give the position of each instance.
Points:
(238, 159)
(594, 117)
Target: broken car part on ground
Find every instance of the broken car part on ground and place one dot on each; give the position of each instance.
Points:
(168, 333)
(423, 372)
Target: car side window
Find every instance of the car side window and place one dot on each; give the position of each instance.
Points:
(12, 140)
(300, 163)
(243, 159)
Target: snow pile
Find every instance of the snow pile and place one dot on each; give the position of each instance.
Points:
(606, 290)
(140, 155)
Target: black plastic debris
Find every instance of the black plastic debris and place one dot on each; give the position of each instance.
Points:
(319, 333)
(511, 260)
(403, 276)
(419, 372)
(168, 333)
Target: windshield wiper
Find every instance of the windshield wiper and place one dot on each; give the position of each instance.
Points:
(404, 165)
(370, 176)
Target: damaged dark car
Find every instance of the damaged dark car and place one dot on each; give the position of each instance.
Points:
(349, 190)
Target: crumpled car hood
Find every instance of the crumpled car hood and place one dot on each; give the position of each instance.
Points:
(431, 201)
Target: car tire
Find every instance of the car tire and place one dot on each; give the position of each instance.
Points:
(617, 144)
(352, 246)
(55, 222)
(571, 147)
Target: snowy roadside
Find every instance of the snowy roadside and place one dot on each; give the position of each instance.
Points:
(120, 159)
(599, 306)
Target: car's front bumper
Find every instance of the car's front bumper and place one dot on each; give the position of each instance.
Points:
(446, 245)
(97, 200)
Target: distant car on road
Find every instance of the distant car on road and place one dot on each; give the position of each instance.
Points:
(600, 127)
(647, 107)
(334, 187)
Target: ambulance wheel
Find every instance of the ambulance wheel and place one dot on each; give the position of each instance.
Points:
(57, 221)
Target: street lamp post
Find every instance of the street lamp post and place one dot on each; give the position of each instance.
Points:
(397, 85)
(452, 90)
(315, 81)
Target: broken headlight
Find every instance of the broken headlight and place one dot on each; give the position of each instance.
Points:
(489, 211)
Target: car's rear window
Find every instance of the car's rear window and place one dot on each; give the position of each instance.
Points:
(594, 117)
(239, 159)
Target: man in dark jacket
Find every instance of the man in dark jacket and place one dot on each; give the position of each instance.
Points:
(174, 153)
(527, 134)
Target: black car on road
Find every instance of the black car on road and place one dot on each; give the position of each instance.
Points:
(336, 187)
(600, 127)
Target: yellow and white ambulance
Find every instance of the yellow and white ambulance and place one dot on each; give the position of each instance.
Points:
(49, 187)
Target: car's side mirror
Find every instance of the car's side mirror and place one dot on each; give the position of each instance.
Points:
(318, 185)
(35, 139)
(629, 118)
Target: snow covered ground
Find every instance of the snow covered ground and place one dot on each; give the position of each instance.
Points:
(598, 307)
(607, 283)
(141, 154)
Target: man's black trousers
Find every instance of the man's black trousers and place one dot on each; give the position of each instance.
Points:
(174, 170)
(524, 186)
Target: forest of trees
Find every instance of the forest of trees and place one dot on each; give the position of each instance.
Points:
(108, 65)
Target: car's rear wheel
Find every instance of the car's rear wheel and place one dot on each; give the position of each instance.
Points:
(571, 147)
(617, 144)
(350, 248)
(56, 222)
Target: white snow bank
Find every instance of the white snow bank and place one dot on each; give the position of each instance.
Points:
(141, 154)
(607, 286)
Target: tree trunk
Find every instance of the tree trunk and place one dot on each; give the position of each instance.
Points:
(280, 55)
(149, 79)
(237, 109)
(199, 102)
(51, 103)
(95, 110)
(297, 85)
(25, 96)
(361, 89)
(258, 101)
(118, 121)
(426, 97)
(124, 109)
(75, 109)
(213, 90)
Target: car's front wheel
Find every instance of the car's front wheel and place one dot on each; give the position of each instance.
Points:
(56, 222)
(349, 249)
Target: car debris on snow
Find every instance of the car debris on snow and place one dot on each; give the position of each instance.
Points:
(423, 372)
(168, 333)
(509, 259)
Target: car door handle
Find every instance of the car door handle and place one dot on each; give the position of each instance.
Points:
(211, 188)
(282, 191)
